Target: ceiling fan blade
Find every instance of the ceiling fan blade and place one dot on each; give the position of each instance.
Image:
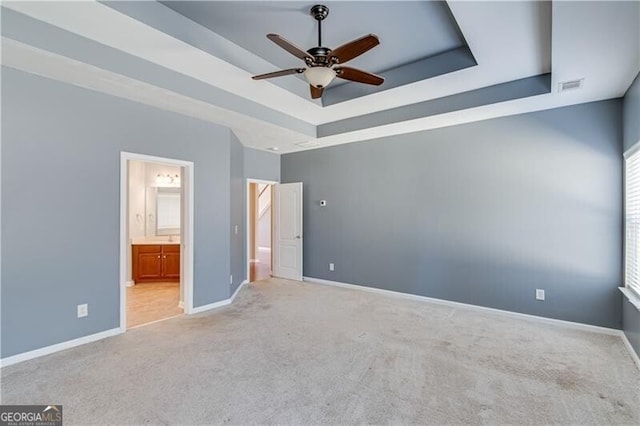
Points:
(315, 92)
(278, 73)
(360, 76)
(290, 47)
(354, 48)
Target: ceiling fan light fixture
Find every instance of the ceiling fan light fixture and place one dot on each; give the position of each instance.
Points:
(319, 77)
(320, 61)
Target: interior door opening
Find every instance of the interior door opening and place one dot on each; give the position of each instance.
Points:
(260, 230)
(156, 242)
(274, 230)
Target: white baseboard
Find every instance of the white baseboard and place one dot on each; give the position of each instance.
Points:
(219, 304)
(181, 304)
(104, 334)
(632, 351)
(4, 362)
(557, 322)
(570, 324)
(235, 293)
(130, 283)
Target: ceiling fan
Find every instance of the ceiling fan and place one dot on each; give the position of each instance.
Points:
(324, 64)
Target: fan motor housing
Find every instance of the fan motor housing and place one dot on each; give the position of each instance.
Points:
(321, 54)
(319, 12)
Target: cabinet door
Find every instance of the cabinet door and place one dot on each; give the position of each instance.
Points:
(147, 262)
(149, 266)
(171, 261)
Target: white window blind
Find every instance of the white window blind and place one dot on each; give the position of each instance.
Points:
(632, 221)
(168, 215)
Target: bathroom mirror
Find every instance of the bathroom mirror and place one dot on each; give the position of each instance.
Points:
(168, 211)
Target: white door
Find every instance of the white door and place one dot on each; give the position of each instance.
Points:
(287, 240)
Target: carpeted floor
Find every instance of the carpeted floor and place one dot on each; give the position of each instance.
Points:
(296, 353)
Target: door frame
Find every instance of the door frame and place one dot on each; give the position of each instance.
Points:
(186, 234)
(247, 228)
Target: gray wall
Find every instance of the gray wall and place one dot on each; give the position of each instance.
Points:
(261, 165)
(631, 124)
(60, 204)
(238, 209)
(482, 213)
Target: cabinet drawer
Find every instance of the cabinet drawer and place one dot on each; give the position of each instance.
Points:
(147, 248)
(171, 248)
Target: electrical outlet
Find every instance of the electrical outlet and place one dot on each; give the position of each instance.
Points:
(235, 228)
(83, 310)
(539, 294)
(331, 267)
(230, 279)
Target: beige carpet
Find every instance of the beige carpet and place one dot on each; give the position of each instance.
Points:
(294, 353)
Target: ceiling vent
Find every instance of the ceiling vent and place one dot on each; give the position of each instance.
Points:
(570, 85)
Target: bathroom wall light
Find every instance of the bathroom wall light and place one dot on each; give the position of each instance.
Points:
(168, 180)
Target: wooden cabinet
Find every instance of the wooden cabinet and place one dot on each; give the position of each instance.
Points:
(156, 262)
(171, 262)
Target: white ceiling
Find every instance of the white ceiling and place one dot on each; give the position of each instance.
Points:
(597, 41)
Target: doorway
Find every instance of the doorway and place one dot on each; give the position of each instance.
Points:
(260, 217)
(282, 257)
(156, 240)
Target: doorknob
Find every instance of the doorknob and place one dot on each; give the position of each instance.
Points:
(298, 236)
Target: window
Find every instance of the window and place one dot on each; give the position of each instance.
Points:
(632, 221)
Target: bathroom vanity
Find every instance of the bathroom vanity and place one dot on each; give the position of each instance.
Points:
(156, 262)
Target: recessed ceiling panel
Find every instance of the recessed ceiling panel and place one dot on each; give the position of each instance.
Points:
(409, 31)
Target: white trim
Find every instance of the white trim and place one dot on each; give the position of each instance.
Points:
(220, 304)
(104, 334)
(632, 351)
(248, 218)
(235, 293)
(198, 309)
(25, 356)
(154, 322)
(632, 150)
(181, 304)
(187, 246)
(631, 296)
(130, 283)
(186, 264)
(569, 324)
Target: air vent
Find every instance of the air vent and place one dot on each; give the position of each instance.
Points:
(308, 144)
(570, 85)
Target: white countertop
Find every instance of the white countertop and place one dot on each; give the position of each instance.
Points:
(155, 240)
